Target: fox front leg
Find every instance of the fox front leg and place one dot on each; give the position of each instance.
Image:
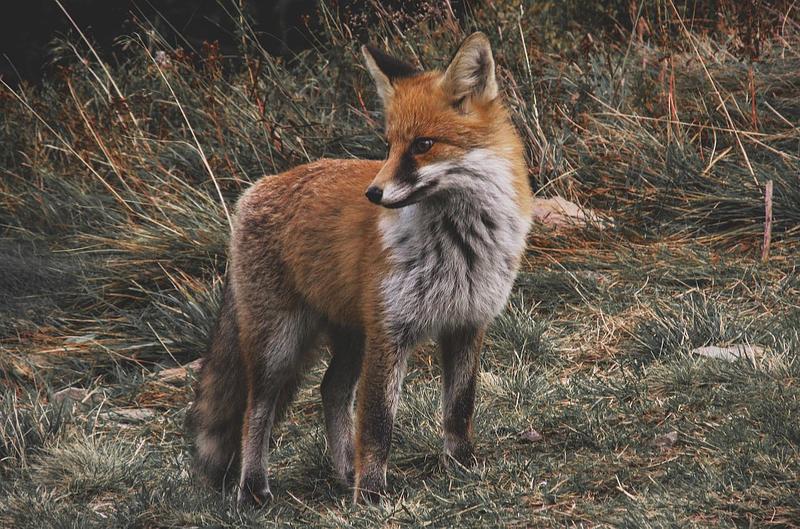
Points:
(460, 349)
(382, 376)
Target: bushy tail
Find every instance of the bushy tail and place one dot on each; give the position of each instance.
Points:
(215, 419)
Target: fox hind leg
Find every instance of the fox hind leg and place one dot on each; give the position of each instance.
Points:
(279, 349)
(338, 394)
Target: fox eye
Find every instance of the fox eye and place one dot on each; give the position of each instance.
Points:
(421, 145)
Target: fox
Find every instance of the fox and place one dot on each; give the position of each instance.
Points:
(377, 257)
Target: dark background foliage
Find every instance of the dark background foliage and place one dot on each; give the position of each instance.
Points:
(284, 27)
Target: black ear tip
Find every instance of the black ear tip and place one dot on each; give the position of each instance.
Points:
(369, 50)
(392, 67)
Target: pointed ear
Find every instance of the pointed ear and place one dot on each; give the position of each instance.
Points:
(471, 72)
(385, 69)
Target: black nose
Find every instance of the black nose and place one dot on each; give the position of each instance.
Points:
(374, 194)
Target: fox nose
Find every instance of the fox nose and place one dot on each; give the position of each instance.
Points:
(374, 194)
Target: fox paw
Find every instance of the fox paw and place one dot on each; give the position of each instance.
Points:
(345, 472)
(369, 490)
(463, 454)
(254, 492)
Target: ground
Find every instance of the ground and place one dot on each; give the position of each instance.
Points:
(595, 407)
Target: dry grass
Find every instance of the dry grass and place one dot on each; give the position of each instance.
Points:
(112, 241)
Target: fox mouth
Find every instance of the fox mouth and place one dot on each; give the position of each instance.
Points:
(414, 197)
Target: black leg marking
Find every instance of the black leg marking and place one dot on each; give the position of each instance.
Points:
(460, 360)
(338, 392)
(378, 396)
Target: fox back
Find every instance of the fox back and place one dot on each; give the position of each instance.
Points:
(377, 256)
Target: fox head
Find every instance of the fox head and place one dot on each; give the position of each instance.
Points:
(441, 126)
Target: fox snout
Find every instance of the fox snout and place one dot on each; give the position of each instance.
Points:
(380, 189)
(398, 183)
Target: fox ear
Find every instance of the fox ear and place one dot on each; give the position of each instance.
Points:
(385, 69)
(471, 72)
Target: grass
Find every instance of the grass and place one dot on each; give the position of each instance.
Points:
(112, 243)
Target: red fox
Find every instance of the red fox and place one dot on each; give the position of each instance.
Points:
(432, 251)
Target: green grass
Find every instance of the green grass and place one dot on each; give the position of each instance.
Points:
(112, 244)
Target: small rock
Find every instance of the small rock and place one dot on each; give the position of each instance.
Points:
(195, 365)
(76, 340)
(732, 353)
(179, 374)
(70, 394)
(667, 440)
(531, 436)
(558, 211)
(130, 414)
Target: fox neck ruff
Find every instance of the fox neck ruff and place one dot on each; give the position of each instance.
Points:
(454, 256)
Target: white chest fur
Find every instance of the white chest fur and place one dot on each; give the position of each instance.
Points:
(454, 255)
